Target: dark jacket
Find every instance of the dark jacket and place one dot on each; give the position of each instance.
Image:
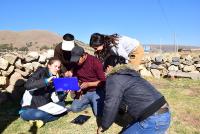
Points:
(37, 93)
(64, 57)
(127, 90)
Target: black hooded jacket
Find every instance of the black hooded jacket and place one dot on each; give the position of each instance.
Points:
(38, 93)
(124, 86)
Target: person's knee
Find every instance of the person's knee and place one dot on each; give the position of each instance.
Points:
(75, 108)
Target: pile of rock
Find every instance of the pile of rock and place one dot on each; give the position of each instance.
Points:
(15, 68)
(184, 66)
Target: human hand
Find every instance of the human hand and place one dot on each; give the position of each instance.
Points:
(49, 80)
(99, 130)
(84, 85)
(68, 74)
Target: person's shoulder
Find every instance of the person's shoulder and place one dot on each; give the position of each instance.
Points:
(94, 58)
(58, 46)
(41, 69)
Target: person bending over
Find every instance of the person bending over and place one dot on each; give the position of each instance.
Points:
(132, 101)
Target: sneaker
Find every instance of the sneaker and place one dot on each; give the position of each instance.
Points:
(37, 123)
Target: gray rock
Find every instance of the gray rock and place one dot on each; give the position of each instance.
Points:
(164, 72)
(175, 63)
(16, 79)
(159, 59)
(29, 59)
(50, 53)
(3, 80)
(181, 66)
(3, 64)
(18, 64)
(161, 67)
(23, 73)
(33, 54)
(195, 76)
(179, 74)
(147, 59)
(188, 58)
(197, 65)
(154, 66)
(196, 59)
(36, 65)
(155, 73)
(173, 68)
(9, 71)
(175, 59)
(10, 88)
(189, 63)
(189, 68)
(10, 58)
(42, 59)
(28, 67)
(145, 73)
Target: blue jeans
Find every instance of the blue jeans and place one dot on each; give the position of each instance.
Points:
(155, 124)
(94, 98)
(36, 114)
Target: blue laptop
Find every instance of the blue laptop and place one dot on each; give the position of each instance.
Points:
(67, 83)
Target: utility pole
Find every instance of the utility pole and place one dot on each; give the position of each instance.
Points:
(174, 42)
(160, 46)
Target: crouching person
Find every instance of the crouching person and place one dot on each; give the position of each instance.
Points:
(131, 98)
(89, 71)
(39, 92)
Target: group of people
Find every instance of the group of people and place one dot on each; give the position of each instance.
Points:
(109, 83)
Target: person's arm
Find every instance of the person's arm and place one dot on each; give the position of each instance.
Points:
(89, 84)
(58, 53)
(114, 93)
(98, 69)
(35, 80)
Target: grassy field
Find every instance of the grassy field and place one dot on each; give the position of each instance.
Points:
(183, 96)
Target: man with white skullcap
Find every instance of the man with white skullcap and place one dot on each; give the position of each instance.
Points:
(63, 52)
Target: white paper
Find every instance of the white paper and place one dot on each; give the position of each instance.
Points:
(53, 108)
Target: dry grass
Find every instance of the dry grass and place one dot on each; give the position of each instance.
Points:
(183, 96)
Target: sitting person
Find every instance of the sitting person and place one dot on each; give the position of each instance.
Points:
(39, 91)
(133, 99)
(89, 71)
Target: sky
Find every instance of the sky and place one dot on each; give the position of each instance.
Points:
(149, 21)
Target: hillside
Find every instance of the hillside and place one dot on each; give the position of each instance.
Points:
(32, 38)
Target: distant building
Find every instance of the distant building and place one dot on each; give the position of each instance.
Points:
(170, 48)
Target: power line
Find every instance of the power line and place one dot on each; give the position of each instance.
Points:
(163, 13)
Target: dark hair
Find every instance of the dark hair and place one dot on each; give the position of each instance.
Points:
(52, 60)
(108, 41)
(98, 39)
(68, 37)
(113, 60)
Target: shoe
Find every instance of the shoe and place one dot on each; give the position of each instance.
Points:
(37, 123)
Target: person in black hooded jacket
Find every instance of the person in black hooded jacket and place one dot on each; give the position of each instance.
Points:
(132, 100)
(39, 92)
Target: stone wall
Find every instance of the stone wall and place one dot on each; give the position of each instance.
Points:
(15, 68)
(171, 65)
